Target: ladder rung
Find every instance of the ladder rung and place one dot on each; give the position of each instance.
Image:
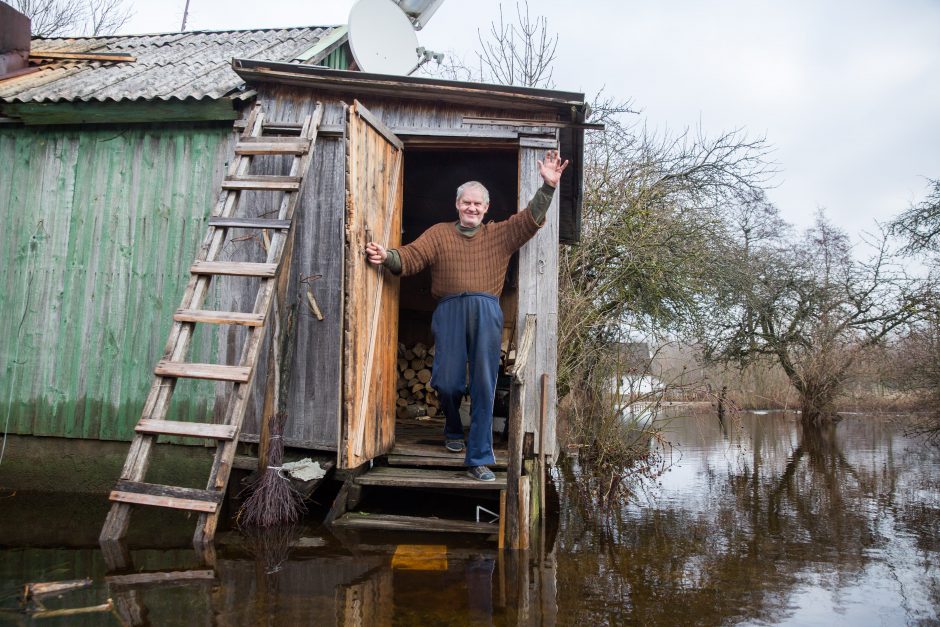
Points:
(272, 146)
(249, 223)
(189, 429)
(139, 493)
(219, 317)
(283, 128)
(263, 182)
(216, 372)
(234, 268)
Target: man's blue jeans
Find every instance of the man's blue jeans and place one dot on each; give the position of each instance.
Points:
(468, 329)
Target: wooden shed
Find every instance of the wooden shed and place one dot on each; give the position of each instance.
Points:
(389, 156)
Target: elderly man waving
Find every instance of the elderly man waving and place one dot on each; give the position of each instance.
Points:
(468, 261)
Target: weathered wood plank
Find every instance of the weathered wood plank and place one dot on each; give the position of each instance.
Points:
(454, 461)
(234, 268)
(469, 119)
(43, 588)
(538, 293)
(215, 372)
(249, 223)
(72, 611)
(245, 462)
(161, 578)
(353, 520)
(377, 124)
(219, 317)
(187, 429)
(294, 147)
(262, 182)
(373, 212)
(423, 478)
(544, 143)
(83, 56)
(190, 499)
(525, 349)
(191, 505)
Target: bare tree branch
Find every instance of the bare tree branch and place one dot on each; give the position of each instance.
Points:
(53, 18)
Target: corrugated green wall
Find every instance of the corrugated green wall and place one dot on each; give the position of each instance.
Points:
(98, 226)
(338, 59)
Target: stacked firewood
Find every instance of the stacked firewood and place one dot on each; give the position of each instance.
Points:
(415, 396)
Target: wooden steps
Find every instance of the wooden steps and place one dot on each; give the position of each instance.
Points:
(262, 182)
(390, 522)
(187, 429)
(357, 489)
(215, 372)
(397, 477)
(272, 146)
(435, 461)
(131, 488)
(219, 317)
(139, 493)
(405, 454)
(249, 223)
(234, 268)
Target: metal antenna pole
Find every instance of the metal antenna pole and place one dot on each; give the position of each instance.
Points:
(185, 15)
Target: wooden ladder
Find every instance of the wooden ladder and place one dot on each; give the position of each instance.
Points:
(131, 488)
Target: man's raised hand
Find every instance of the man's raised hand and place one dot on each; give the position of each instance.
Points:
(551, 168)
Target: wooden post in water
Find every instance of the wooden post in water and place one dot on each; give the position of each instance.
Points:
(517, 514)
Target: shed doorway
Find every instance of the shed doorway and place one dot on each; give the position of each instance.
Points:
(431, 179)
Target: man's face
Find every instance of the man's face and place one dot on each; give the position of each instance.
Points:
(471, 208)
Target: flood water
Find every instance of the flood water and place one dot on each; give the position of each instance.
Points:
(753, 522)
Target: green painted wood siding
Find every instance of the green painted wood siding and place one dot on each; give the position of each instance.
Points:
(100, 226)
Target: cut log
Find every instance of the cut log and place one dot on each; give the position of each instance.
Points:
(424, 375)
(420, 350)
(408, 374)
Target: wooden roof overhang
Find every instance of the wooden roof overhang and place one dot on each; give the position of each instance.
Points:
(540, 110)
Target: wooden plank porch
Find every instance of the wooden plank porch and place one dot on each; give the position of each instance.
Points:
(420, 443)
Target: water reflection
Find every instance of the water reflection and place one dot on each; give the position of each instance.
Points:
(756, 522)
(358, 581)
(765, 522)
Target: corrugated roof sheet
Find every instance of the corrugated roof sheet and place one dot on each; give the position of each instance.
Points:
(168, 66)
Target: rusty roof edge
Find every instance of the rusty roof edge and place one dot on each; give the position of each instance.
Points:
(571, 103)
(209, 31)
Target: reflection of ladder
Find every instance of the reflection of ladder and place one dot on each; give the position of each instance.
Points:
(131, 489)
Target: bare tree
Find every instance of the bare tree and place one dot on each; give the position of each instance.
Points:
(52, 18)
(814, 308)
(654, 238)
(920, 224)
(105, 17)
(519, 53)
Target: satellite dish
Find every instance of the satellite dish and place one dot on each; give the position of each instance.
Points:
(381, 38)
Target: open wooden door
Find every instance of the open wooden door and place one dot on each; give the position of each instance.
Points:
(370, 326)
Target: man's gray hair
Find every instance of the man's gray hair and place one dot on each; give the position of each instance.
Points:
(474, 185)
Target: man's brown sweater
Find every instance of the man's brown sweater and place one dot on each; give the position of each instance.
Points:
(476, 263)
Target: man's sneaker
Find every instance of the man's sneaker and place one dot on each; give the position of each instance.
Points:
(454, 446)
(481, 473)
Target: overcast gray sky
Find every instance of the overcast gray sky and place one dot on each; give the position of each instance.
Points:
(848, 93)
